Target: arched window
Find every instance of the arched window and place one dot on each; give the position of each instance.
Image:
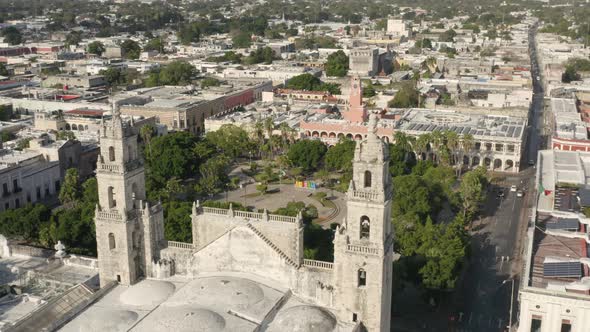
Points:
(111, 153)
(365, 227)
(112, 200)
(362, 278)
(74, 127)
(112, 244)
(367, 179)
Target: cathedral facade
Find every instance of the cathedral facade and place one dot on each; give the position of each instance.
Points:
(356, 288)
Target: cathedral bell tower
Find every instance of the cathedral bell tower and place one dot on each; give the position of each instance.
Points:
(363, 244)
(129, 232)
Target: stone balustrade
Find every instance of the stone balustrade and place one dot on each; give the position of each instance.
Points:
(180, 245)
(249, 215)
(362, 249)
(318, 264)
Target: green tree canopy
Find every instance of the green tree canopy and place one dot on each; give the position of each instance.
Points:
(406, 97)
(175, 73)
(12, 36)
(96, 47)
(241, 40)
(337, 64)
(155, 44)
(339, 157)
(170, 156)
(73, 38)
(231, 140)
(70, 190)
(130, 48)
(189, 33)
(311, 83)
(307, 154)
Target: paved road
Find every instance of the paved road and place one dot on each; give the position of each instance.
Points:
(483, 301)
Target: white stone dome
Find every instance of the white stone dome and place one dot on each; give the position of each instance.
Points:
(147, 292)
(304, 318)
(186, 319)
(222, 290)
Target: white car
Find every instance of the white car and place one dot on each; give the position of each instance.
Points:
(513, 188)
(519, 193)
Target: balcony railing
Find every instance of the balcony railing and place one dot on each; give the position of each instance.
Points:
(318, 264)
(180, 245)
(362, 249)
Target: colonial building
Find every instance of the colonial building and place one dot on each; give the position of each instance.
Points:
(244, 271)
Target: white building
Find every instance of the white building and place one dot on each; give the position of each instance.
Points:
(399, 28)
(555, 288)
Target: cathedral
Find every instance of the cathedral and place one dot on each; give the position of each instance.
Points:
(244, 271)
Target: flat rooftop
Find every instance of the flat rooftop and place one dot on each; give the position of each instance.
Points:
(418, 121)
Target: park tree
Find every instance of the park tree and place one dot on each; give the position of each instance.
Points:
(177, 221)
(231, 140)
(472, 190)
(213, 175)
(130, 49)
(12, 36)
(170, 156)
(337, 64)
(70, 190)
(95, 47)
(307, 154)
(339, 157)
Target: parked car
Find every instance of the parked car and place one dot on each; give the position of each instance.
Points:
(519, 193)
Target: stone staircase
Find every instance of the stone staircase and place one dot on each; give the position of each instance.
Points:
(272, 245)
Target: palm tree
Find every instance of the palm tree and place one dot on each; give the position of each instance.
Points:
(259, 134)
(422, 144)
(467, 144)
(285, 134)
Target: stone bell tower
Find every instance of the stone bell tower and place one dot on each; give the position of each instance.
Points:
(129, 232)
(363, 244)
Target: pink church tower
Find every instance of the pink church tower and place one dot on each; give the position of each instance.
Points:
(356, 112)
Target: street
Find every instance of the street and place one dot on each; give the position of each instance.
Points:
(492, 276)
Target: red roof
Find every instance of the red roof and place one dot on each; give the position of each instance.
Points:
(67, 97)
(85, 112)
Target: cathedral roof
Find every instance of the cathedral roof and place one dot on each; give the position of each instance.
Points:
(316, 319)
